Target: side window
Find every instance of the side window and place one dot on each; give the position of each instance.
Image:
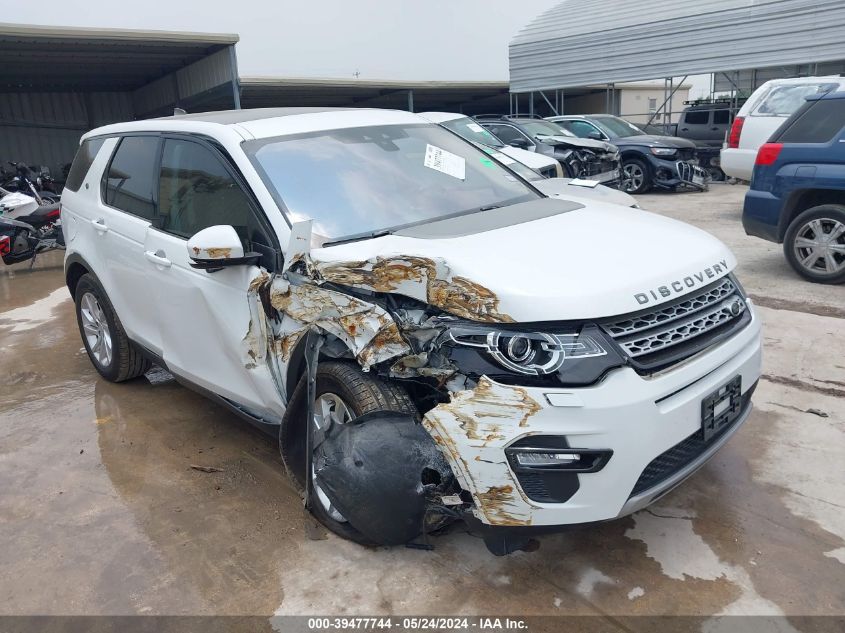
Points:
(580, 128)
(129, 183)
(721, 117)
(82, 163)
(506, 133)
(697, 117)
(816, 122)
(197, 191)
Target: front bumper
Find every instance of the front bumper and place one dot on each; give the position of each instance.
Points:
(635, 417)
(671, 174)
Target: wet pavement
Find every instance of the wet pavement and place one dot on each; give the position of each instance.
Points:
(101, 511)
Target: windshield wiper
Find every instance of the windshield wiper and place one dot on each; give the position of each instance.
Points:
(358, 238)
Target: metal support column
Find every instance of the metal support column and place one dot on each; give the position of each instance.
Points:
(236, 82)
(531, 103)
(410, 100)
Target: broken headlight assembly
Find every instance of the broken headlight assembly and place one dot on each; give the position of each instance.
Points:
(566, 357)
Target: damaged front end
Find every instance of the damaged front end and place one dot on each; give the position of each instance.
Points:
(406, 321)
(682, 175)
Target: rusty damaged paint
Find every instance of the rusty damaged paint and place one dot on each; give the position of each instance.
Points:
(214, 252)
(420, 278)
(469, 430)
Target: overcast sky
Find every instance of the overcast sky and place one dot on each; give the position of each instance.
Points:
(381, 39)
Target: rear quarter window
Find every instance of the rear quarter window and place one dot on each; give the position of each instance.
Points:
(785, 99)
(817, 122)
(82, 163)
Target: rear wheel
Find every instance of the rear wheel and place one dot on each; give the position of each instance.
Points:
(636, 177)
(111, 352)
(343, 393)
(815, 244)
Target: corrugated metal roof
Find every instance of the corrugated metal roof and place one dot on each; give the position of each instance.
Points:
(48, 58)
(605, 41)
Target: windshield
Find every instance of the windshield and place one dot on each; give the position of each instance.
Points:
(471, 131)
(357, 181)
(543, 128)
(615, 127)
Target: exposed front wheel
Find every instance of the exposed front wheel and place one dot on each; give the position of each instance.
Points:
(343, 393)
(111, 352)
(815, 244)
(635, 176)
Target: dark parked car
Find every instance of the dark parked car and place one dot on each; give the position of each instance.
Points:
(648, 161)
(579, 157)
(797, 194)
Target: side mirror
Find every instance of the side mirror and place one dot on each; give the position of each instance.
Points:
(520, 143)
(596, 136)
(217, 247)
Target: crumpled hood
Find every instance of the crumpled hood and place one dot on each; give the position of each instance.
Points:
(581, 143)
(651, 140)
(580, 263)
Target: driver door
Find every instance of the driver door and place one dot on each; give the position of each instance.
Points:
(204, 316)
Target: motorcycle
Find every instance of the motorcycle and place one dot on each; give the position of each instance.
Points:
(26, 236)
(24, 180)
(15, 203)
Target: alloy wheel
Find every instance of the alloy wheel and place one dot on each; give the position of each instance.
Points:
(819, 246)
(329, 408)
(95, 328)
(633, 177)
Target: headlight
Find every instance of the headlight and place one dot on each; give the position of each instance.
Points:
(529, 353)
(666, 152)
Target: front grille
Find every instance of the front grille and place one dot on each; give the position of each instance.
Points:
(689, 171)
(657, 338)
(683, 453)
(686, 154)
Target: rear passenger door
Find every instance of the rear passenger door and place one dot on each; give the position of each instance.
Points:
(204, 317)
(125, 208)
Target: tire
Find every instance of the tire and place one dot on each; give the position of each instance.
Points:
(639, 184)
(824, 264)
(101, 330)
(361, 393)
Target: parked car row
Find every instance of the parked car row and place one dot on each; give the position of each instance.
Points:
(648, 161)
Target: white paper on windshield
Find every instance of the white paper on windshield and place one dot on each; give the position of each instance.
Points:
(579, 182)
(475, 127)
(450, 164)
(503, 158)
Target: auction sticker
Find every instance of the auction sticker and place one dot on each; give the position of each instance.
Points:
(448, 163)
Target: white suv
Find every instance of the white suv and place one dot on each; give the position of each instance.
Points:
(429, 336)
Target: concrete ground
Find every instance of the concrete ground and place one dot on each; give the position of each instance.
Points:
(101, 512)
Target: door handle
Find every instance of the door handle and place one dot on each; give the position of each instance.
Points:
(684, 129)
(100, 225)
(158, 258)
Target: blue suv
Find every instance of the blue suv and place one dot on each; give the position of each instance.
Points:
(797, 194)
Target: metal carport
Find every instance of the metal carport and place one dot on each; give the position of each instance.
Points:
(469, 97)
(607, 41)
(57, 83)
